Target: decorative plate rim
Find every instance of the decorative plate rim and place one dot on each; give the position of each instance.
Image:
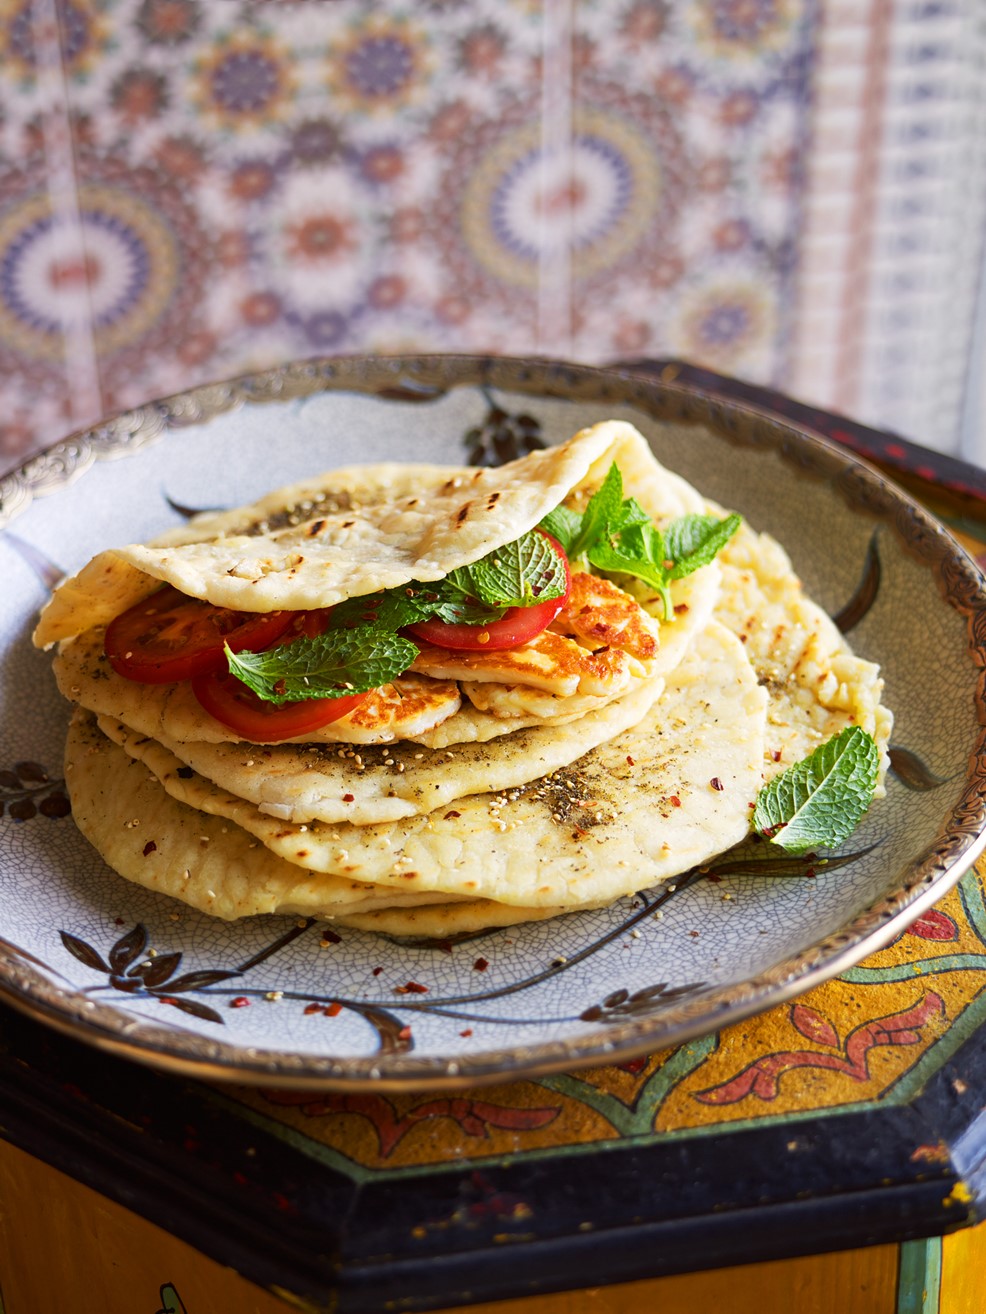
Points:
(960, 841)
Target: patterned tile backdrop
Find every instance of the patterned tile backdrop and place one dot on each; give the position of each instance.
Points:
(784, 190)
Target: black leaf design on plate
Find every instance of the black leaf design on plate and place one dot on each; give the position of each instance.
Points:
(866, 591)
(128, 949)
(47, 572)
(85, 953)
(193, 1008)
(775, 862)
(912, 772)
(26, 790)
(155, 971)
(199, 980)
(409, 390)
(502, 437)
(133, 969)
(187, 512)
(621, 1004)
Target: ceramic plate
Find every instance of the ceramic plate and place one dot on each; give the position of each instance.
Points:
(278, 1001)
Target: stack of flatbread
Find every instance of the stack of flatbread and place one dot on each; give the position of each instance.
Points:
(613, 752)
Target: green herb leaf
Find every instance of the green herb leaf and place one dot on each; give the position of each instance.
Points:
(387, 612)
(602, 512)
(564, 525)
(616, 535)
(331, 665)
(694, 541)
(819, 801)
(519, 574)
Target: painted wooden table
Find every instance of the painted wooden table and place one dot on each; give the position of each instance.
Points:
(828, 1155)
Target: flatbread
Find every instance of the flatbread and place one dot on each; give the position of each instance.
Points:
(817, 685)
(354, 531)
(163, 845)
(316, 782)
(641, 808)
(519, 804)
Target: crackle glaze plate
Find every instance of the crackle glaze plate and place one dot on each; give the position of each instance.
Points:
(278, 1001)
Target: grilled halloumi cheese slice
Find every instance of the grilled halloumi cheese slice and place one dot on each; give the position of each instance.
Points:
(600, 642)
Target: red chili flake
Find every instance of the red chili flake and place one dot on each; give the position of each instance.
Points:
(450, 816)
(333, 1009)
(467, 1032)
(240, 1001)
(332, 936)
(313, 1008)
(377, 971)
(480, 965)
(776, 754)
(810, 873)
(716, 880)
(149, 847)
(117, 921)
(716, 783)
(675, 801)
(630, 761)
(404, 1033)
(167, 999)
(348, 798)
(694, 934)
(412, 988)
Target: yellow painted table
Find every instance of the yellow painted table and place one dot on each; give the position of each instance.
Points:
(826, 1156)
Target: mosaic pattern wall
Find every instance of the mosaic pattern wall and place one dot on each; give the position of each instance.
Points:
(194, 188)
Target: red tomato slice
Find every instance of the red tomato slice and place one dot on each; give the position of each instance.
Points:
(516, 626)
(170, 636)
(230, 701)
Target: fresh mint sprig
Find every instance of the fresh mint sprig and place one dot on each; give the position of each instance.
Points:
(616, 535)
(331, 665)
(819, 801)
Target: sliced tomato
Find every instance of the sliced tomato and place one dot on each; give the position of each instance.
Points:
(307, 624)
(230, 701)
(517, 625)
(170, 636)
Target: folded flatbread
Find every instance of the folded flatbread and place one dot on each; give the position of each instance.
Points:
(611, 753)
(637, 809)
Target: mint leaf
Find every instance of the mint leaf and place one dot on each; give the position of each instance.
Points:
(602, 512)
(519, 574)
(332, 664)
(564, 525)
(819, 801)
(694, 541)
(616, 535)
(388, 611)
